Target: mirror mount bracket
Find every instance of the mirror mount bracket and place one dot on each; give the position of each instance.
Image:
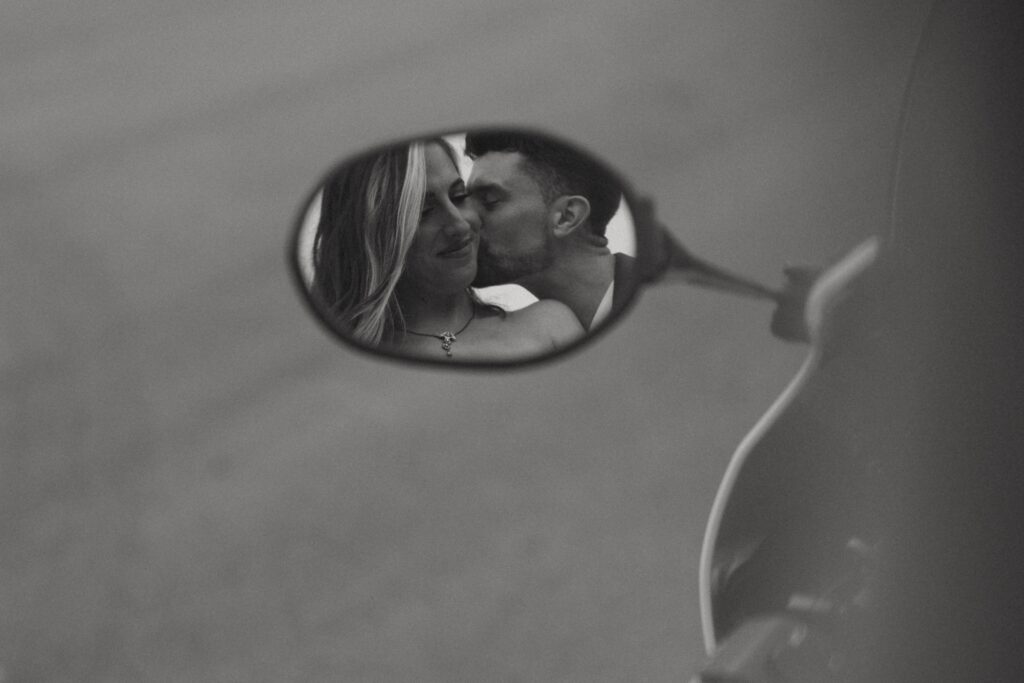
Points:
(682, 265)
(664, 256)
(666, 259)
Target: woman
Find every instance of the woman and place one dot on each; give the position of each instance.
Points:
(394, 256)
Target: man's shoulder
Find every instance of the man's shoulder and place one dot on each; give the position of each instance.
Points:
(625, 280)
(625, 265)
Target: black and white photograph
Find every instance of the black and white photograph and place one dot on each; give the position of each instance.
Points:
(451, 341)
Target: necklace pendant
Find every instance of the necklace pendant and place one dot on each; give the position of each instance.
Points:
(447, 339)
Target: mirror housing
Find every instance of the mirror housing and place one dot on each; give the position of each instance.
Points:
(477, 213)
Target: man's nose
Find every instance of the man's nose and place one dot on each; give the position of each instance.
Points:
(474, 208)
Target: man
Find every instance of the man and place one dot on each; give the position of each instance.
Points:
(544, 207)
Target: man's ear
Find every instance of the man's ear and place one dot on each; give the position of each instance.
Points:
(568, 213)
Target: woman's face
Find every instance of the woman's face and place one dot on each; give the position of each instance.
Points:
(442, 256)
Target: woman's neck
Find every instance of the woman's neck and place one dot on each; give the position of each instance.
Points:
(434, 313)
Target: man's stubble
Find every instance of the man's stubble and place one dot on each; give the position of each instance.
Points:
(500, 269)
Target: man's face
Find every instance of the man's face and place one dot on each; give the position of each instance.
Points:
(515, 240)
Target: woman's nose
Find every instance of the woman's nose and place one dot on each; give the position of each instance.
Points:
(462, 219)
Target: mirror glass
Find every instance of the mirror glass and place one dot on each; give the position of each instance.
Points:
(486, 247)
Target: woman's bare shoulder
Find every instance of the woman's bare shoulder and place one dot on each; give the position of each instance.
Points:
(551, 318)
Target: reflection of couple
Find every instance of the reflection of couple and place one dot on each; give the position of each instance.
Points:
(402, 238)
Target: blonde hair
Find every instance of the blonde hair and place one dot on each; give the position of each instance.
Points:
(369, 216)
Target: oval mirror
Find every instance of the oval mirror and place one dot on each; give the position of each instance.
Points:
(481, 248)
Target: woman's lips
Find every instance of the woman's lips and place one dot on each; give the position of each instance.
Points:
(458, 250)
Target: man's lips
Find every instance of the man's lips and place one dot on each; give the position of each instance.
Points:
(460, 248)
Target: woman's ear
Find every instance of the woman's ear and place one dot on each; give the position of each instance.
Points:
(568, 213)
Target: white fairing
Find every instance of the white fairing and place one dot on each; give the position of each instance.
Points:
(823, 296)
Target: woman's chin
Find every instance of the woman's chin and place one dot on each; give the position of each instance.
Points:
(468, 277)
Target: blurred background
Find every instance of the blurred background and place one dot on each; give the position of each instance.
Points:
(199, 484)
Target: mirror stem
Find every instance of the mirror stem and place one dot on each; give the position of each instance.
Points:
(680, 264)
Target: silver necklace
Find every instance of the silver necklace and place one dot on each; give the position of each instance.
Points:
(448, 337)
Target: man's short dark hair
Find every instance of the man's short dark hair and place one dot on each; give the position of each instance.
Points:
(558, 168)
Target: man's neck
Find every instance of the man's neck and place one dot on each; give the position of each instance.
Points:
(578, 278)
